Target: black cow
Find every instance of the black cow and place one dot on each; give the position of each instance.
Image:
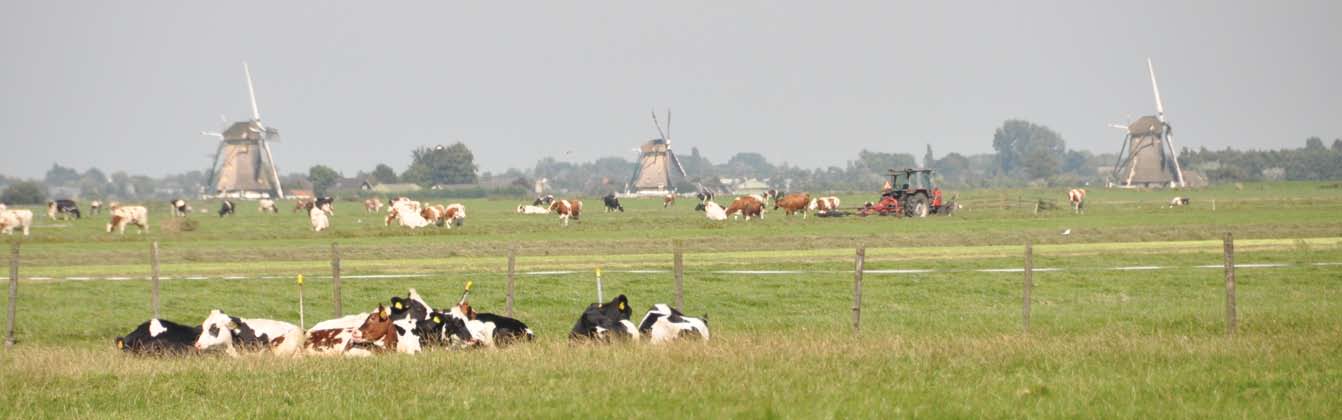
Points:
(411, 306)
(157, 336)
(506, 330)
(225, 208)
(612, 203)
(63, 207)
(600, 321)
(544, 200)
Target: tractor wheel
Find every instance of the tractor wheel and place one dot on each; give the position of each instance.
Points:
(918, 206)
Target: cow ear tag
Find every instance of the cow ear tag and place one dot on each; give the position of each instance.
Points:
(232, 325)
(437, 320)
(621, 307)
(398, 305)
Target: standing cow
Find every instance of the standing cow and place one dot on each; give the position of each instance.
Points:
(612, 203)
(95, 207)
(669, 200)
(319, 220)
(226, 208)
(1077, 197)
(10, 219)
(793, 203)
(180, 208)
(372, 205)
(124, 215)
(567, 209)
(62, 207)
(266, 205)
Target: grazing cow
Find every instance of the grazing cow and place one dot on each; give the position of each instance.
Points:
(407, 214)
(62, 207)
(327, 204)
(10, 219)
(433, 213)
(747, 205)
(95, 207)
(793, 203)
(303, 205)
(266, 205)
(668, 201)
(372, 205)
(525, 209)
(601, 321)
(1078, 198)
(180, 208)
(123, 215)
(566, 209)
(612, 203)
(319, 220)
(663, 323)
(1179, 201)
(714, 211)
(226, 208)
(823, 205)
(252, 335)
(159, 336)
(544, 200)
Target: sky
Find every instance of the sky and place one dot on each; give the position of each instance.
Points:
(129, 86)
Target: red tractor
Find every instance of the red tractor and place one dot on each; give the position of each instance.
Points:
(909, 192)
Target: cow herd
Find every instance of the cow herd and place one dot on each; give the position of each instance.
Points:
(401, 325)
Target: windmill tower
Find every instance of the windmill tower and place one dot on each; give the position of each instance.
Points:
(243, 165)
(1148, 157)
(656, 163)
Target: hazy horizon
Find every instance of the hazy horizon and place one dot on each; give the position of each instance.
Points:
(129, 87)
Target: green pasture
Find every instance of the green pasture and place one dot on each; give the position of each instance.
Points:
(1102, 341)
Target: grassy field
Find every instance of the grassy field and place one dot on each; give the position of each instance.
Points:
(944, 343)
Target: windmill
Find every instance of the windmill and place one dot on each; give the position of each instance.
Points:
(652, 172)
(243, 165)
(1148, 157)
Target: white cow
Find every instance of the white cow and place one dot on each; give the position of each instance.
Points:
(9, 219)
(266, 205)
(219, 329)
(1077, 197)
(407, 214)
(123, 215)
(319, 220)
(714, 211)
(526, 209)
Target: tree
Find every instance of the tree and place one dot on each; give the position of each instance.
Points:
(1314, 144)
(60, 175)
(928, 159)
(453, 164)
(1018, 142)
(749, 164)
(27, 192)
(1337, 145)
(322, 178)
(383, 174)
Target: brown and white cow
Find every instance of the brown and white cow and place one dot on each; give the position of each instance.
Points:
(454, 215)
(10, 219)
(528, 209)
(372, 205)
(95, 207)
(823, 205)
(1077, 197)
(746, 205)
(303, 204)
(336, 336)
(124, 215)
(406, 213)
(567, 209)
(793, 203)
(669, 200)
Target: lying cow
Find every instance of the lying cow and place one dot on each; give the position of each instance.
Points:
(62, 208)
(566, 209)
(317, 217)
(266, 205)
(221, 330)
(602, 321)
(124, 215)
(180, 208)
(663, 323)
(793, 203)
(226, 209)
(407, 213)
(612, 203)
(378, 332)
(525, 209)
(714, 211)
(336, 336)
(823, 205)
(483, 328)
(10, 219)
(412, 306)
(159, 336)
(454, 215)
(544, 200)
(1179, 201)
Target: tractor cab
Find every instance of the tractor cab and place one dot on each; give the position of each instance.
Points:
(914, 190)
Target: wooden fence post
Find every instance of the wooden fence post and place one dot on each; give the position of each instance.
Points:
(512, 273)
(335, 279)
(1231, 320)
(153, 278)
(859, 266)
(678, 264)
(1029, 284)
(13, 293)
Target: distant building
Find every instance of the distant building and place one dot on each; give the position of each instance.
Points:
(397, 188)
(751, 186)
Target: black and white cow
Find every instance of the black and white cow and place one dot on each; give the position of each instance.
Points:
(601, 321)
(180, 208)
(544, 200)
(327, 204)
(252, 335)
(663, 323)
(612, 203)
(64, 208)
(159, 336)
(226, 208)
(412, 306)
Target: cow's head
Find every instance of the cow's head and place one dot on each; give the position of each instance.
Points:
(377, 327)
(216, 330)
(456, 331)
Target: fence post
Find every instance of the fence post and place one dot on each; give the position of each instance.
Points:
(153, 278)
(600, 297)
(1029, 284)
(678, 263)
(13, 293)
(335, 279)
(302, 323)
(859, 266)
(512, 265)
(1230, 284)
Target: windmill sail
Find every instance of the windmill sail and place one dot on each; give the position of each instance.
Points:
(1150, 158)
(243, 165)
